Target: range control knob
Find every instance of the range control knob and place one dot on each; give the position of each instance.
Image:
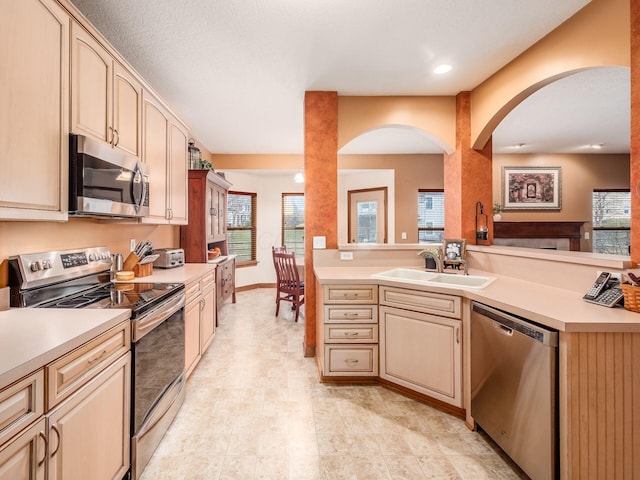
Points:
(46, 264)
(37, 265)
(92, 257)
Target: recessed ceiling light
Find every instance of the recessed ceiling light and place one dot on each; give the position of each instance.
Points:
(444, 68)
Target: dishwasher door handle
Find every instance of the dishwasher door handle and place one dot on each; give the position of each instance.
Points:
(503, 329)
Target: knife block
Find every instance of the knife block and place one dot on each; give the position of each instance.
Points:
(143, 270)
(130, 262)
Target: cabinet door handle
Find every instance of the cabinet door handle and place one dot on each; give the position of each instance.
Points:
(457, 334)
(42, 435)
(202, 304)
(110, 136)
(55, 429)
(116, 137)
(351, 361)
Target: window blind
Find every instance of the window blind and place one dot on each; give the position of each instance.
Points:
(293, 222)
(241, 225)
(430, 215)
(611, 221)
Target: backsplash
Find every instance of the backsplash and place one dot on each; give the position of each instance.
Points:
(32, 237)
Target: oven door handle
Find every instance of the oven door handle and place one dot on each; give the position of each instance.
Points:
(155, 317)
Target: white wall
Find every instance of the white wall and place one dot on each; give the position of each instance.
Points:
(269, 189)
(357, 180)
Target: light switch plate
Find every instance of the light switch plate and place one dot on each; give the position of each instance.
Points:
(319, 242)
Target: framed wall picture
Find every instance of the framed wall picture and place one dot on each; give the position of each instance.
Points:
(454, 249)
(531, 188)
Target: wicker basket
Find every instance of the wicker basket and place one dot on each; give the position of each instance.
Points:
(631, 297)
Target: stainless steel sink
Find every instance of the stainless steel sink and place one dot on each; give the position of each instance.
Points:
(432, 278)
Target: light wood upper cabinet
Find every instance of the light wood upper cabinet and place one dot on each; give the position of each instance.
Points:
(34, 76)
(165, 151)
(105, 98)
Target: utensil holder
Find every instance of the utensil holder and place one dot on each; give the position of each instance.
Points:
(131, 261)
(143, 270)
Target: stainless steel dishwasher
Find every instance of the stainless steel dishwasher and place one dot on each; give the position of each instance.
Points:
(514, 388)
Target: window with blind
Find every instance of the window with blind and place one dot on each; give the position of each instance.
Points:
(611, 221)
(293, 222)
(430, 216)
(241, 226)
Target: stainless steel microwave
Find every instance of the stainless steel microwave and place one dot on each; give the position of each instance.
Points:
(104, 181)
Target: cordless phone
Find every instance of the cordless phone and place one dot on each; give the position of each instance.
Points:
(605, 291)
(598, 286)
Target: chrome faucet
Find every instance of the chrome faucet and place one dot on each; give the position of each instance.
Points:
(436, 254)
(464, 266)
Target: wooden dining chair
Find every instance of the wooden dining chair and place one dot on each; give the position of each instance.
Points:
(289, 287)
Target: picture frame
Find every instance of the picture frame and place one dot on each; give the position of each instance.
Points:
(454, 249)
(532, 188)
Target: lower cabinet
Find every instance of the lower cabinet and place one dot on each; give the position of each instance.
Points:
(348, 334)
(86, 431)
(422, 351)
(24, 457)
(81, 429)
(200, 319)
(226, 280)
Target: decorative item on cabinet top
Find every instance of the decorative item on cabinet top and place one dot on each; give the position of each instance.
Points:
(195, 156)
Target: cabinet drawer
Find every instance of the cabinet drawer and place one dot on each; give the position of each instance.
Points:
(208, 281)
(192, 290)
(21, 404)
(70, 372)
(354, 360)
(350, 294)
(426, 302)
(346, 333)
(342, 314)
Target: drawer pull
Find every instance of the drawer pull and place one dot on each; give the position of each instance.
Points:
(351, 315)
(351, 296)
(352, 362)
(46, 447)
(95, 359)
(351, 334)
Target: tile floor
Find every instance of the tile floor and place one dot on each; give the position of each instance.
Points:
(255, 410)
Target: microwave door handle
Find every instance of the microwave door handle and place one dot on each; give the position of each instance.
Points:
(138, 176)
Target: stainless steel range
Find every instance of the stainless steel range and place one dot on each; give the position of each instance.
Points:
(80, 278)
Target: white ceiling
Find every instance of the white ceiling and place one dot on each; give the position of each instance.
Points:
(236, 71)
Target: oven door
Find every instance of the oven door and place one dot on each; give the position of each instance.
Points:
(106, 181)
(157, 377)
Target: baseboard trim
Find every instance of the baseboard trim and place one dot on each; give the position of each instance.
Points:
(255, 286)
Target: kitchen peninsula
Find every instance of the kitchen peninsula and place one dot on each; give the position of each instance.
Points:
(599, 348)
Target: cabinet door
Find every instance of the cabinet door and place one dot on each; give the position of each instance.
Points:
(177, 175)
(155, 137)
(421, 352)
(34, 144)
(89, 433)
(24, 457)
(91, 86)
(192, 335)
(207, 319)
(127, 111)
(210, 206)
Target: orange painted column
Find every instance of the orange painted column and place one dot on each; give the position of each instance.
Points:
(467, 179)
(320, 192)
(635, 132)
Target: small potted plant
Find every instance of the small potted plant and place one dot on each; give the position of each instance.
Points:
(497, 208)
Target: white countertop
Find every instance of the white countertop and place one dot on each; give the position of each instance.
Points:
(184, 274)
(32, 337)
(563, 310)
